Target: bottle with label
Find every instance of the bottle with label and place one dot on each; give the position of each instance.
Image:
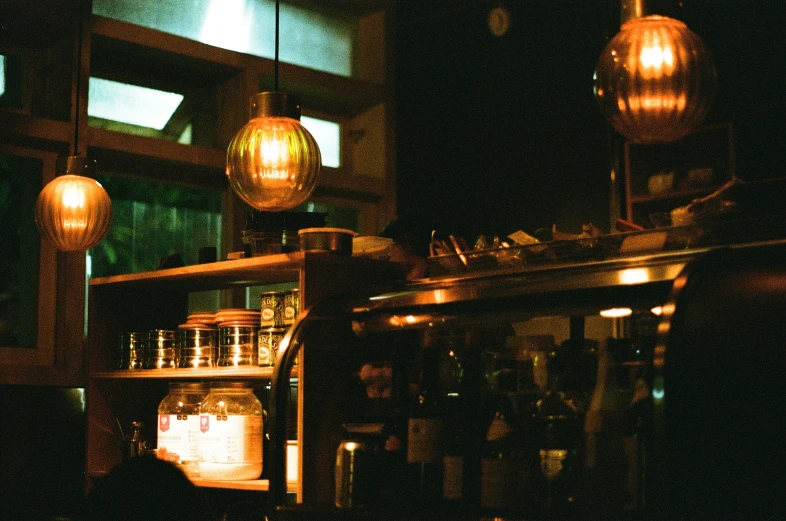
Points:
(178, 425)
(425, 431)
(554, 444)
(231, 433)
(501, 462)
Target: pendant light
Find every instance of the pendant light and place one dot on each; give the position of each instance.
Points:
(655, 80)
(73, 211)
(273, 162)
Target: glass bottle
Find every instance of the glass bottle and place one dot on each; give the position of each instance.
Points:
(554, 441)
(178, 425)
(425, 431)
(230, 442)
(501, 461)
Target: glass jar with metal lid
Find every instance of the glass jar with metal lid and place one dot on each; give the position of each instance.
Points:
(178, 425)
(230, 438)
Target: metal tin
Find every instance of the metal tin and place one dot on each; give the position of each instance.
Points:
(237, 345)
(268, 340)
(271, 313)
(197, 346)
(161, 350)
(291, 306)
(132, 350)
(352, 473)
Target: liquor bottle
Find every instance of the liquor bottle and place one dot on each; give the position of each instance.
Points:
(425, 431)
(500, 462)
(453, 404)
(554, 445)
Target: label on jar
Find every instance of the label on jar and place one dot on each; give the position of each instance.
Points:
(271, 313)
(291, 305)
(497, 479)
(178, 437)
(423, 441)
(268, 340)
(230, 438)
(453, 467)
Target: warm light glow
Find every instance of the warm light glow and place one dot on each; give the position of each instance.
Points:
(616, 312)
(657, 311)
(73, 212)
(634, 276)
(273, 161)
(654, 80)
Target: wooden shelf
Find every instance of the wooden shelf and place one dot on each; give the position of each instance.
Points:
(260, 485)
(188, 374)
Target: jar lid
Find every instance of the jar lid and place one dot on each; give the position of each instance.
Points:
(231, 385)
(189, 386)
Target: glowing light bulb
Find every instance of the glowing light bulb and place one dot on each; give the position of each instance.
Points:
(273, 162)
(655, 80)
(72, 211)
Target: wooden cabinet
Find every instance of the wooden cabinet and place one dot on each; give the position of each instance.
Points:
(659, 178)
(159, 299)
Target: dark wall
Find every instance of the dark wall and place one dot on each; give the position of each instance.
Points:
(496, 134)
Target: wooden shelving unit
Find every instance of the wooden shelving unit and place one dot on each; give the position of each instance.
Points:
(159, 300)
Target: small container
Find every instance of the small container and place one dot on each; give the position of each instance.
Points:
(237, 345)
(268, 340)
(161, 350)
(356, 469)
(336, 240)
(291, 306)
(178, 425)
(132, 350)
(271, 312)
(230, 438)
(197, 346)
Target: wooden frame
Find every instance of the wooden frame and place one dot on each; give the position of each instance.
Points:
(21, 364)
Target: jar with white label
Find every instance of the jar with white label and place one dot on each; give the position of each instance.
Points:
(178, 425)
(230, 437)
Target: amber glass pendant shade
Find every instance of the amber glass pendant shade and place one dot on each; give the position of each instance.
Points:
(74, 212)
(655, 80)
(273, 162)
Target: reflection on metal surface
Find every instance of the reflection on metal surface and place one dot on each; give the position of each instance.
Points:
(616, 312)
(634, 276)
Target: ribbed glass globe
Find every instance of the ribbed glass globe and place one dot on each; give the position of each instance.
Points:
(72, 211)
(273, 162)
(655, 80)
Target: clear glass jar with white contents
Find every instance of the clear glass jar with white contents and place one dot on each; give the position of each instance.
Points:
(178, 425)
(231, 432)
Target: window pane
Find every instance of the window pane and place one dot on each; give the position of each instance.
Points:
(131, 104)
(328, 136)
(2, 74)
(306, 37)
(152, 221)
(11, 81)
(133, 109)
(20, 182)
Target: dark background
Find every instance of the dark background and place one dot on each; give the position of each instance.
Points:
(497, 134)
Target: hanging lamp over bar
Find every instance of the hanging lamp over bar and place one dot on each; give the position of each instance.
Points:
(73, 211)
(655, 80)
(273, 162)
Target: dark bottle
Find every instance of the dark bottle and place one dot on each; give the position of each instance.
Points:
(554, 437)
(425, 431)
(453, 404)
(501, 462)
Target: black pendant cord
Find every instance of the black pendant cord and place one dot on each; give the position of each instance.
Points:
(275, 61)
(78, 79)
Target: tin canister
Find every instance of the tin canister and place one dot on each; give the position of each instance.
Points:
(132, 350)
(291, 306)
(161, 349)
(237, 345)
(197, 346)
(268, 340)
(271, 312)
(353, 473)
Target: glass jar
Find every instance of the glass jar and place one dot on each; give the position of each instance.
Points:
(178, 425)
(230, 438)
